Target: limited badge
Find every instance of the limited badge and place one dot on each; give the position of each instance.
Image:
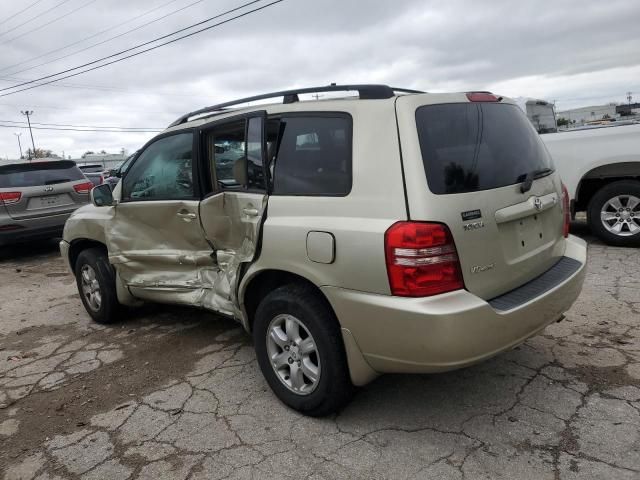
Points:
(470, 215)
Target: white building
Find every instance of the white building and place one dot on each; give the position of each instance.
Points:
(108, 160)
(593, 113)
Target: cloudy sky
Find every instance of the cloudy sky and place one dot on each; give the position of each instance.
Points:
(576, 52)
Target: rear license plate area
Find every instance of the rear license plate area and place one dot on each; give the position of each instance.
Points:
(530, 232)
(48, 201)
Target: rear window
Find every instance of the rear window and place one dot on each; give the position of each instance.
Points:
(468, 147)
(39, 173)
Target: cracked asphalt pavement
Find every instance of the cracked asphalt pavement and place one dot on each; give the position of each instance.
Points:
(175, 393)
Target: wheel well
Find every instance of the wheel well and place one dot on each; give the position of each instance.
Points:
(267, 281)
(79, 245)
(601, 176)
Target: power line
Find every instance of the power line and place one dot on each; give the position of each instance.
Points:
(106, 40)
(89, 37)
(83, 126)
(142, 44)
(83, 108)
(34, 18)
(107, 88)
(80, 130)
(49, 22)
(18, 13)
(102, 88)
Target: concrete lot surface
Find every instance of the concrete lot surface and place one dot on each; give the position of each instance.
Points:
(175, 393)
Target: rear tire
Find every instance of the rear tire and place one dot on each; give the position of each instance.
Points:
(96, 285)
(304, 323)
(613, 214)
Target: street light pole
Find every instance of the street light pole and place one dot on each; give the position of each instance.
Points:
(27, 113)
(19, 144)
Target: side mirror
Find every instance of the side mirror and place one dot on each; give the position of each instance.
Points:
(101, 196)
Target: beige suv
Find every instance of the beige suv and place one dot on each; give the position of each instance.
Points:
(395, 231)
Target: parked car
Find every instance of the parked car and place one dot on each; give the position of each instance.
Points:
(395, 232)
(116, 173)
(601, 168)
(36, 198)
(95, 173)
(600, 165)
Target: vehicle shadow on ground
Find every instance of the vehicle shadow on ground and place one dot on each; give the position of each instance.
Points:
(580, 228)
(29, 250)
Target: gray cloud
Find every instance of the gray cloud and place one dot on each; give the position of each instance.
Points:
(577, 52)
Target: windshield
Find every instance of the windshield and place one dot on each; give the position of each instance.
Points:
(39, 173)
(468, 147)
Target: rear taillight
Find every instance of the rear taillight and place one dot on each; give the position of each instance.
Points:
(482, 97)
(83, 187)
(100, 180)
(566, 211)
(421, 259)
(9, 198)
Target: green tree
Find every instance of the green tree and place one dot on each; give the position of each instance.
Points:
(562, 122)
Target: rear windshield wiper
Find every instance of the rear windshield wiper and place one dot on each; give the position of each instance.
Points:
(531, 176)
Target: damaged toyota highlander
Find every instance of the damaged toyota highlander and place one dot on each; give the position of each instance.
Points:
(393, 231)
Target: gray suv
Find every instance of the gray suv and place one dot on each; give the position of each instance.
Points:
(397, 231)
(36, 198)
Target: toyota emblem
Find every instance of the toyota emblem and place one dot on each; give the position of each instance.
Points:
(537, 203)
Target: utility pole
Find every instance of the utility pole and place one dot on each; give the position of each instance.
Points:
(19, 144)
(27, 113)
(629, 98)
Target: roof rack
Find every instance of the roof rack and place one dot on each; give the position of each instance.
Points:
(366, 92)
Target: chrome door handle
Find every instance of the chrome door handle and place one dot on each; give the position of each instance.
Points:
(250, 212)
(187, 215)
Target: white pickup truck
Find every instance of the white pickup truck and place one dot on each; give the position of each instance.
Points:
(601, 170)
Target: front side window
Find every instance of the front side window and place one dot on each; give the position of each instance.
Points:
(313, 155)
(163, 171)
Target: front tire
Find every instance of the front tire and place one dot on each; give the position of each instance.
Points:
(300, 350)
(614, 213)
(96, 285)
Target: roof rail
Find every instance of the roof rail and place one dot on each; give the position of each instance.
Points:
(366, 92)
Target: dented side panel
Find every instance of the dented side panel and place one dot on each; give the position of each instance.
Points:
(159, 246)
(231, 222)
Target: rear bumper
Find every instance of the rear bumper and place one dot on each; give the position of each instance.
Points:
(448, 331)
(32, 229)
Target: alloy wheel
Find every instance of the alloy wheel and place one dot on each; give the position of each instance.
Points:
(91, 287)
(620, 215)
(293, 354)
